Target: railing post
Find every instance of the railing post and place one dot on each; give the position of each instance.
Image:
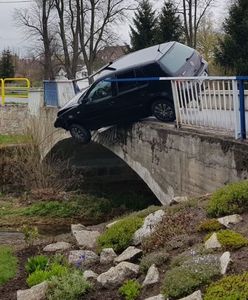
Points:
(2, 91)
(242, 108)
(176, 102)
(236, 109)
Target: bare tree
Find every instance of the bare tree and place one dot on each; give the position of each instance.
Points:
(75, 27)
(69, 27)
(97, 18)
(38, 24)
(193, 11)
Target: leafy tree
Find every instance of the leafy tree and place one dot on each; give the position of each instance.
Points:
(144, 32)
(232, 52)
(7, 69)
(169, 26)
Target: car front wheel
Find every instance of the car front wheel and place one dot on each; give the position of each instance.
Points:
(80, 134)
(164, 111)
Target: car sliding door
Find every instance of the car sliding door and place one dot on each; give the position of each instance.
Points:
(130, 94)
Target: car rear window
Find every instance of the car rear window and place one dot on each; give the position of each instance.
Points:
(176, 57)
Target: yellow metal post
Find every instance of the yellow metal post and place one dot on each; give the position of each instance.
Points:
(2, 91)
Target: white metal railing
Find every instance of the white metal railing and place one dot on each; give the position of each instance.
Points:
(210, 102)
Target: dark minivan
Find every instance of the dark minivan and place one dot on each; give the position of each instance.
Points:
(129, 89)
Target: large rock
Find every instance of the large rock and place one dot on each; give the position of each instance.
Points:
(195, 296)
(232, 219)
(59, 246)
(85, 238)
(37, 292)
(130, 254)
(152, 276)
(158, 297)
(116, 275)
(148, 227)
(82, 257)
(212, 242)
(107, 256)
(225, 259)
(89, 274)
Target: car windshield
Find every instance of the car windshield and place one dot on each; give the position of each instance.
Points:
(176, 57)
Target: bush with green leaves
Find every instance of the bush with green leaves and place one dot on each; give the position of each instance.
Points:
(232, 287)
(209, 225)
(158, 258)
(183, 280)
(70, 286)
(230, 240)
(130, 290)
(8, 264)
(31, 234)
(39, 262)
(39, 276)
(231, 199)
(119, 236)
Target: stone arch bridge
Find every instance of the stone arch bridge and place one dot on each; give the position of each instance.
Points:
(172, 162)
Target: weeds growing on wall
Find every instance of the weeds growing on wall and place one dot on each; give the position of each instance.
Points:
(23, 167)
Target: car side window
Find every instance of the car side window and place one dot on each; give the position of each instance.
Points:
(124, 86)
(101, 90)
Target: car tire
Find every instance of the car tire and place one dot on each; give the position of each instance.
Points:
(164, 111)
(80, 134)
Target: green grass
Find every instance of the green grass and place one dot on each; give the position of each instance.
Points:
(13, 139)
(119, 236)
(231, 199)
(82, 206)
(233, 287)
(130, 290)
(230, 240)
(8, 264)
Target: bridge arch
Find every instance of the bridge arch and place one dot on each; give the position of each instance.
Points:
(172, 162)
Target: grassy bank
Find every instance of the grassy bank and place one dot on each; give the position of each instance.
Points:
(8, 264)
(86, 208)
(13, 139)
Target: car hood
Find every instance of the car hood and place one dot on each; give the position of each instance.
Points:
(73, 101)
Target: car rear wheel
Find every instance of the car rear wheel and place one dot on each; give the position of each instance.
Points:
(80, 134)
(164, 111)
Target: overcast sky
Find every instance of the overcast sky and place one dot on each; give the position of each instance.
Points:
(13, 37)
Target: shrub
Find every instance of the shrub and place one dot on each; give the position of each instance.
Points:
(233, 287)
(68, 287)
(30, 234)
(230, 199)
(157, 258)
(231, 240)
(8, 264)
(173, 225)
(39, 275)
(39, 262)
(209, 225)
(119, 236)
(130, 290)
(185, 279)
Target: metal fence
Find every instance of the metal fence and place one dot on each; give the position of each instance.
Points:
(218, 103)
(14, 88)
(210, 102)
